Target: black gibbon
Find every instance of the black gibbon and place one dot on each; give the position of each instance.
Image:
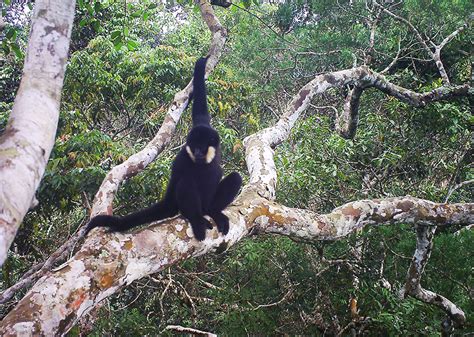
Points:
(195, 188)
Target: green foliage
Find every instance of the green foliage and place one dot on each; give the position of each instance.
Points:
(10, 43)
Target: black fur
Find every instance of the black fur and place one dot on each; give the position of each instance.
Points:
(195, 188)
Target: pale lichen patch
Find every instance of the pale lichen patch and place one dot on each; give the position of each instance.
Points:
(23, 328)
(262, 220)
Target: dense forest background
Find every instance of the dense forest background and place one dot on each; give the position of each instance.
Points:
(128, 59)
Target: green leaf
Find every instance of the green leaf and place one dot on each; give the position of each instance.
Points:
(118, 45)
(83, 22)
(136, 14)
(16, 50)
(90, 10)
(11, 34)
(115, 34)
(96, 25)
(6, 48)
(132, 45)
(125, 31)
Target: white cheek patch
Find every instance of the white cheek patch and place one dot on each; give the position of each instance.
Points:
(211, 153)
(190, 153)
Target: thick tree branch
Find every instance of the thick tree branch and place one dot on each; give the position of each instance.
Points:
(107, 262)
(346, 219)
(348, 120)
(259, 145)
(26, 144)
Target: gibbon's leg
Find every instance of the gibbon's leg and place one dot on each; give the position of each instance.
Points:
(226, 192)
(189, 204)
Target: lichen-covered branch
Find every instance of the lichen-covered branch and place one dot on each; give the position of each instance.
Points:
(424, 245)
(137, 162)
(107, 262)
(348, 120)
(27, 141)
(40, 268)
(346, 219)
(259, 146)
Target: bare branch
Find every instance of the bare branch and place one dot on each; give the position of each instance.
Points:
(409, 24)
(263, 175)
(394, 61)
(458, 186)
(283, 299)
(373, 26)
(435, 50)
(180, 328)
(346, 219)
(451, 36)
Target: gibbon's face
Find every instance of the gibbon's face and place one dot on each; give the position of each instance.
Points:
(202, 144)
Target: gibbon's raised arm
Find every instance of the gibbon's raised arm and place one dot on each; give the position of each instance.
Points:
(195, 187)
(200, 113)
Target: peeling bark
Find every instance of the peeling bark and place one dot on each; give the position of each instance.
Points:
(26, 144)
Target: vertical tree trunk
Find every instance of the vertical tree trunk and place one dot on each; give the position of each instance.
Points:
(26, 144)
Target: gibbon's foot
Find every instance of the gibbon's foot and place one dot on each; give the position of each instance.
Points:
(222, 222)
(209, 225)
(199, 228)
